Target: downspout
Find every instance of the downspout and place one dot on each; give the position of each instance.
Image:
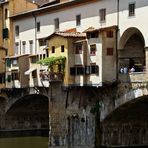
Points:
(117, 38)
(35, 33)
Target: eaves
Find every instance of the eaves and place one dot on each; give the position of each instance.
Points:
(52, 8)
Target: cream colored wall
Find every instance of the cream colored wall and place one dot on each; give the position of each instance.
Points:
(109, 61)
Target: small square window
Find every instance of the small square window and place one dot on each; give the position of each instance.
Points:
(53, 49)
(109, 51)
(131, 9)
(62, 48)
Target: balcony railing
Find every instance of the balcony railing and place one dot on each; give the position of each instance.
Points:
(51, 76)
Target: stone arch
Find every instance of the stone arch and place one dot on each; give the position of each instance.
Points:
(130, 96)
(127, 34)
(131, 49)
(28, 112)
(127, 125)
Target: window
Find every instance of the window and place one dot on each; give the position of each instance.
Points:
(56, 24)
(94, 69)
(38, 26)
(81, 70)
(34, 59)
(2, 78)
(44, 56)
(8, 62)
(6, 13)
(15, 75)
(78, 20)
(16, 47)
(31, 46)
(102, 15)
(47, 53)
(93, 50)
(92, 34)
(40, 56)
(14, 62)
(78, 48)
(78, 70)
(42, 42)
(53, 49)
(34, 74)
(5, 33)
(109, 34)
(62, 48)
(24, 46)
(109, 51)
(17, 31)
(131, 8)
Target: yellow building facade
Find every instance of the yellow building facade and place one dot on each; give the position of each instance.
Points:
(62, 44)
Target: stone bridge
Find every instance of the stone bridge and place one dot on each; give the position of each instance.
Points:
(68, 112)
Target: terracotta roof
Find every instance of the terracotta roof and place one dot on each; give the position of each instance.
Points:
(16, 56)
(92, 29)
(67, 34)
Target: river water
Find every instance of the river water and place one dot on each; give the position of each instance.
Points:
(24, 142)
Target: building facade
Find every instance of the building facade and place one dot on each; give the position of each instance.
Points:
(113, 49)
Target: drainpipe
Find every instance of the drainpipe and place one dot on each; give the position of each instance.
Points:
(117, 33)
(35, 34)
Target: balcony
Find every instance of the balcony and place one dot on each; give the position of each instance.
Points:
(51, 76)
(134, 77)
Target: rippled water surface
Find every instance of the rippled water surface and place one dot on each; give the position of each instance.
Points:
(24, 142)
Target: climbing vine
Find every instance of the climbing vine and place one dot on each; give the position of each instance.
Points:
(52, 61)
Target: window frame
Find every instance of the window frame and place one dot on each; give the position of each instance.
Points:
(16, 47)
(24, 46)
(38, 26)
(78, 20)
(17, 30)
(93, 52)
(56, 24)
(78, 48)
(62, 48)
(131, 9)
(102, 14)
(53, 49)
(109, 51)
(31, 46)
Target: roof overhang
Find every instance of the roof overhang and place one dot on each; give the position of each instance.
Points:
(30, 71)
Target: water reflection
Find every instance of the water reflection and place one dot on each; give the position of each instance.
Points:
(24, 142)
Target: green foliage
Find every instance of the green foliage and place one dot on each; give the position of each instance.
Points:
(51, 61)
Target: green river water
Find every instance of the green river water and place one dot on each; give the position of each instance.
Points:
(24, 142)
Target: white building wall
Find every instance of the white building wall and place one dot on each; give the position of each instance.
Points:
(27, 33)
(140, 20)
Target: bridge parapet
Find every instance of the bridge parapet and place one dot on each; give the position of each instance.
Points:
(132, 86)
